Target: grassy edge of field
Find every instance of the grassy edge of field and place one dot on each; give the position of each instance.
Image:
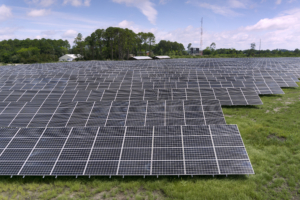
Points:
(272, 138)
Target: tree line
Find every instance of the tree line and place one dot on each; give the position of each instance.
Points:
(251, 52)
(112, 43)
(117, 44)
(32, 51)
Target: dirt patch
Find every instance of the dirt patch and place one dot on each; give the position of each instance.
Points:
(267, 111)
(279, 99)
(280, 138)
(140, 194)
(279, 108)
(101, 195)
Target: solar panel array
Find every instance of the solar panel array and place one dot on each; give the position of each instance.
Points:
(162, 150)
(111, 113)
(160, 117)
(227, 96)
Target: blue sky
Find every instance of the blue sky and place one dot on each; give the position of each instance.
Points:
(228, 23)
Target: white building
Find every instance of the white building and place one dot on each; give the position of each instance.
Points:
(69, 57)
(141, 58)
(162, 57)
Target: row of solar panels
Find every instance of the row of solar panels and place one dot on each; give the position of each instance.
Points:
(127, 130)
(111, 113)
(189, 75)
(162, 150)
(227, 96)
(261, 87)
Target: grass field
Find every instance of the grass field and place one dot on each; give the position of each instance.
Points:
(271, 133)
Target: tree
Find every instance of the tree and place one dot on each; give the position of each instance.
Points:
(151, 39)
(79, 43)
(129, 42)
(100, 36)
(109, 33)
(139, 40)
(165, 47)
(144, 40)
(189, 46)
(207, 51)
(213, 46)
(253, 45)
(91, 42)
(27, 51)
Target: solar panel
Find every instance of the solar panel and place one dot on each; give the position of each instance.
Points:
(161, 117)
(113, 113)
(157, 150)
(246, 96)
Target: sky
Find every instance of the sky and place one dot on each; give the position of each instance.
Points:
(228, 23)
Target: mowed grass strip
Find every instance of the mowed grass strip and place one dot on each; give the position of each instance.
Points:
(271, 133)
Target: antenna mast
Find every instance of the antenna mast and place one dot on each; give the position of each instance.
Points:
(201, 42)
(259, 44)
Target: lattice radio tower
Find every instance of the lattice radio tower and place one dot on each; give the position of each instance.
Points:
(259, 44)
(201, 42)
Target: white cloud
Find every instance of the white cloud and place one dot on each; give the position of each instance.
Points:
(278, 2)
(225, 9)
(145, 6)
(277, 23)
(125, 24)
(49, 32)
(237, 4)
(222, 10)
(43, 3)
(132, 26)
(7, 33)
(163, 1)
(87, 2)
(77, 3)
(70, 34)
(282, 31)
(38, 13)
(46, 3)
(7, 30)
(5, 12)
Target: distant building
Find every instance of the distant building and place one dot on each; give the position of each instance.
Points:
(195, 51)
(69, 57)
(162, 57)
(141, 58)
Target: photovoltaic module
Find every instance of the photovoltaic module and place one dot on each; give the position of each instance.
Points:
(157, 117)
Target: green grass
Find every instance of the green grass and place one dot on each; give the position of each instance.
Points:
(271, 133)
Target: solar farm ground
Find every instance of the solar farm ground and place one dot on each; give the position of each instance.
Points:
(271, 136)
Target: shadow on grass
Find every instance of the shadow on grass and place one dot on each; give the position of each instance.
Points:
(272, 95)
(291, 88)
(245, 106)
(85, 179)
